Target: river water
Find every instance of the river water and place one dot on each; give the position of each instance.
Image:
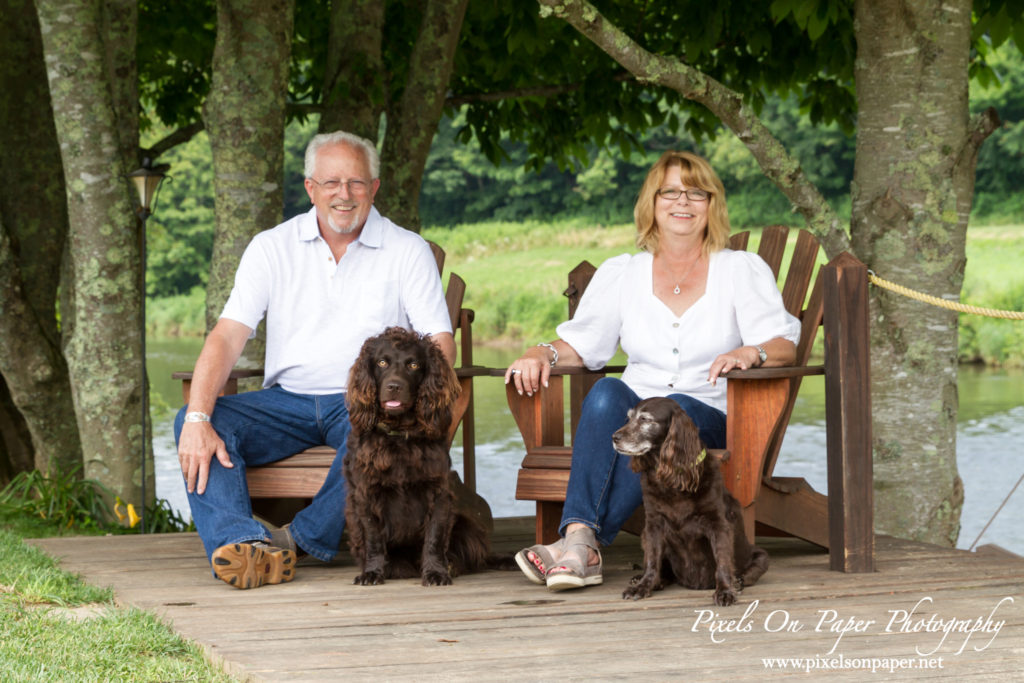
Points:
(990, 442)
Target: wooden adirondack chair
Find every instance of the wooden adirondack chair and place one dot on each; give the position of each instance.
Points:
(760, 403)
(302, 474)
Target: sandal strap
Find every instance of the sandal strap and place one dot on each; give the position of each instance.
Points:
(584, 536)
(574, 559)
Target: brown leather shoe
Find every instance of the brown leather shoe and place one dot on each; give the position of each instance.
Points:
(252, 564)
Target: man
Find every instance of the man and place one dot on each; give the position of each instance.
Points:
(326, 281)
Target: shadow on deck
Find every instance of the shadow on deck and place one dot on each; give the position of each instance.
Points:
(926, 612)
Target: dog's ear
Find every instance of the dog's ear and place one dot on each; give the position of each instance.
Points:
(437, 393)
(680, 459)
(361, 395)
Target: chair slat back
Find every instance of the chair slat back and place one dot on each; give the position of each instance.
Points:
(802, 268)
(439, 256)
(453, 297)
(773, 246)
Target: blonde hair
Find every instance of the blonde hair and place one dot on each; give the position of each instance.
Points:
(695, 173)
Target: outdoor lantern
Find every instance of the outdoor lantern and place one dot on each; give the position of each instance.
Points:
(147, 181)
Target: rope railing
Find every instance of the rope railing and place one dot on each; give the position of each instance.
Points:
(943, 303)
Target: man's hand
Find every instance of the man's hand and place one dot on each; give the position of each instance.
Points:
(197, 445)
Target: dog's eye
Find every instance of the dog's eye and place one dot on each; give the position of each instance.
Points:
(413, 365)
(382, 363)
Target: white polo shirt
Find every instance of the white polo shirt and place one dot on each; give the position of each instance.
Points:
(320, 312)
(669, 354)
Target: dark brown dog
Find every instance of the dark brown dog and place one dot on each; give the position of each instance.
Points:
(400, 508)
(693, 530)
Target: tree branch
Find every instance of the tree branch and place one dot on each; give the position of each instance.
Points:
(186, 133)
(773, 158)
(457, 100)
(178, 137)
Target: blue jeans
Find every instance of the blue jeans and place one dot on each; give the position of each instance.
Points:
(259, 427)
(603, 491)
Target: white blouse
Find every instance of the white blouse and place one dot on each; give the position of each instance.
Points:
(741, 306)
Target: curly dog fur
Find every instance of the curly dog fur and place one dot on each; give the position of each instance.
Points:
(400, 507)
(693, 530)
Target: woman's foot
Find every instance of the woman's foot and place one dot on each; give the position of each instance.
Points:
(580, 563)
(535, 560)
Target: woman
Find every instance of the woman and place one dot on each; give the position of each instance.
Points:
(685, 310)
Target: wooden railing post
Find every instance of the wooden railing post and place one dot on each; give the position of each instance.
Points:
(848, 415)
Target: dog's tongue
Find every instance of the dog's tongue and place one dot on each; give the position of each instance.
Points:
(392, 404)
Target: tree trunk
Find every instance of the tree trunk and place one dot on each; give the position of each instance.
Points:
(103, 349)
(16, 450)
(412, 121)
(353, 89)
(35, 374)
(33, 228)
(245, 117)
(912, 192)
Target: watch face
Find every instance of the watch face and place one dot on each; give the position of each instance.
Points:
(761, 353)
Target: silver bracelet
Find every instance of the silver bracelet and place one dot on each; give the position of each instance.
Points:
(196, 416)
(553, 350)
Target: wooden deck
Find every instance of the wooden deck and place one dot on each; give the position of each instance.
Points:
(497, 626)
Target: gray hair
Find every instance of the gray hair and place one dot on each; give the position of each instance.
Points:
(368, 149)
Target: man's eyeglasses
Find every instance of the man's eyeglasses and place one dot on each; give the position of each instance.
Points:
(672, 193)
(353, 186)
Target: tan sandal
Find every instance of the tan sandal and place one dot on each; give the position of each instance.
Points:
(572, 570)
(530, 569)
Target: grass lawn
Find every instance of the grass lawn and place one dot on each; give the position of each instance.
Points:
(54, 627)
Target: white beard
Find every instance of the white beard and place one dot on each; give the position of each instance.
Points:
(340, 229)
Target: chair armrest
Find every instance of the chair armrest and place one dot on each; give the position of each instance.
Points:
(785, 372)
(541, 417)
(230, 387)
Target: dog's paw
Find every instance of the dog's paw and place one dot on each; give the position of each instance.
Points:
(436, 578)
(637, 590)
(725, 597)
(370, 578)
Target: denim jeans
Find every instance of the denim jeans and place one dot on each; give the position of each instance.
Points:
(603, 491)
(259, 427)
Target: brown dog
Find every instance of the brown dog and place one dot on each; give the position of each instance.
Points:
(693, 530)
(400, 508)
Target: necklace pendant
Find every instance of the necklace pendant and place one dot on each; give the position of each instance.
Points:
(676, 290)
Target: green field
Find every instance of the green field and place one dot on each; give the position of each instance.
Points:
(516, 272)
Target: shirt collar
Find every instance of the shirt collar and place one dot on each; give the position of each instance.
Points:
(371, 235)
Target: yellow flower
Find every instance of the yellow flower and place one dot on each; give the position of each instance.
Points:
(133, 517)
(119, 509)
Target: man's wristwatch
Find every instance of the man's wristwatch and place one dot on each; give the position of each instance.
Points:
(761, 353)
(196, 416)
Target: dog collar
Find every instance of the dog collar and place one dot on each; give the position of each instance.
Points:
(391, 432)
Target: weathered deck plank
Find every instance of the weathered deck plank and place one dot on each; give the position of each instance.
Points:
(496, 625)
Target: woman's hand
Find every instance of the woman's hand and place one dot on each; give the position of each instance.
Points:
(744, 357)
(780, 352)
(530, 371)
